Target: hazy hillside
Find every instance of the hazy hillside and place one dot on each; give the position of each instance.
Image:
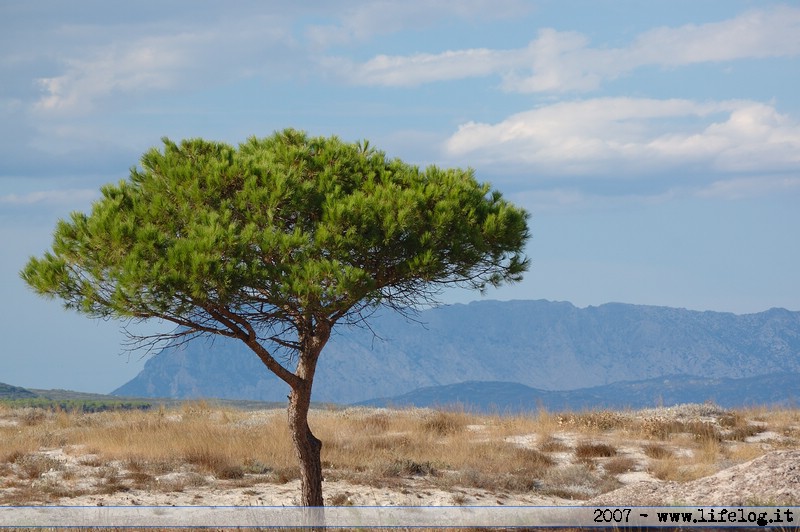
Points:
(505, 397)
(541, 344)
(15, 392)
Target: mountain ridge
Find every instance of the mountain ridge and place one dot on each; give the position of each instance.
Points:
(541, 344)
(782, 389)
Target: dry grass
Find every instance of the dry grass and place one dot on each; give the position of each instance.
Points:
(553, 445)
(620, 465)
(657, 451)
(377, 449)
(594, 421)
(586, 450)
(678, 470)
(739, 453)
(48, 456)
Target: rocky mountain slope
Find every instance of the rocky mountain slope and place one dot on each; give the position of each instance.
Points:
(540, 344)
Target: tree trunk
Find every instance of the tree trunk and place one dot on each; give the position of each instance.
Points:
(307, 447)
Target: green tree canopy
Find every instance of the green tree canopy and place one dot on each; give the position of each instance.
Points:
(276, 240)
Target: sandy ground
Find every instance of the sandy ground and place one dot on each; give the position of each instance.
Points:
(771, 479)
(767, 480)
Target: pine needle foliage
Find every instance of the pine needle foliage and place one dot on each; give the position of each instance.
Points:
(279, 227)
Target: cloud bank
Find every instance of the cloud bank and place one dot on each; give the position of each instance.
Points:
(559, 61)
(603, 136)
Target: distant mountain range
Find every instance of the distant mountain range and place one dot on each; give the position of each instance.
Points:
(547, 346)
(511, 397)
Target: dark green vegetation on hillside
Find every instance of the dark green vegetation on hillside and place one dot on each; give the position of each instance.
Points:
(76, 405)
(65, 400)
(8, 391)
(74, 401)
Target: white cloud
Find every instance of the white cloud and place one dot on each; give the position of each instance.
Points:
(174, 54)
(564, 61)
(754, 34)
(755, 137)
(162, 58)
(625, 136)
(560, 61)
(414, 70)
(151, 63)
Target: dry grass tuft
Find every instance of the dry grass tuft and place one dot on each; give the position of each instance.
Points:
(340, 499)
(577, 482)
(657, 451)
(678, 470)
(532, 460)
(620, 465)
(32, 466)
(660, 428)
(401, 468)
(703, 431)
(586, 450)
(594, 421)
(740, 453)
(445, 423)
(664, 428)
(553, 445)
(214, 461)
(741, 433)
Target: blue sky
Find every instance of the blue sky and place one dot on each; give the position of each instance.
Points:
(656, 144)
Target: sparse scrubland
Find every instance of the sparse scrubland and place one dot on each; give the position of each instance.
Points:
(208, 455)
